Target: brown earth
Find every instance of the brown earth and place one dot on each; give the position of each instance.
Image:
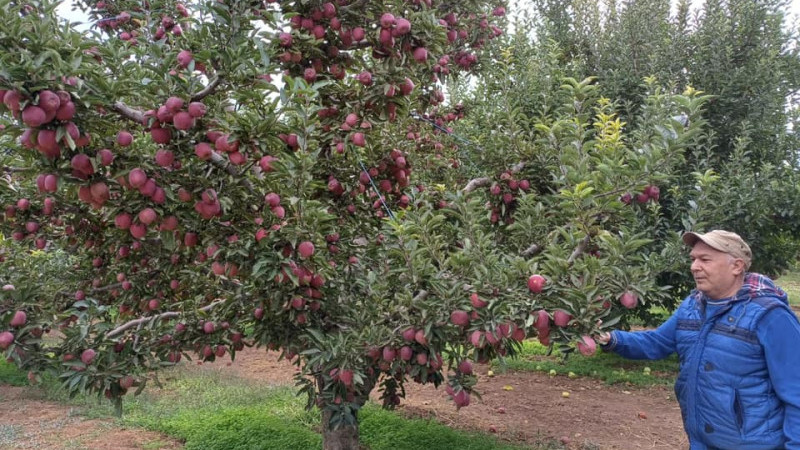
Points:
(29, 422)
(522, 407)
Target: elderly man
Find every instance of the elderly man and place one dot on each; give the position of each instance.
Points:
(739, 348)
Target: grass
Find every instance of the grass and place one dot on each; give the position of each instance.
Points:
(608, 367)
(212, 411)
(209, 412)
(10, 374)
(790, 282)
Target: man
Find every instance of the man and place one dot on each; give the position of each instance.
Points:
(739, 348)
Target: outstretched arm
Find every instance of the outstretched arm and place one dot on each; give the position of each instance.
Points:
(651, 344)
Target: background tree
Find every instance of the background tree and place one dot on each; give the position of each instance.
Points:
(744, 55)
(742, 52)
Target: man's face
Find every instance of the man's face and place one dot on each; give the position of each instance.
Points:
(715, 273)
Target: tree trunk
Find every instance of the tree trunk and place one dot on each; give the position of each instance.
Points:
(117, 401)
(343, 438)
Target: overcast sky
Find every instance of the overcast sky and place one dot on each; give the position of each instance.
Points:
(77, 16)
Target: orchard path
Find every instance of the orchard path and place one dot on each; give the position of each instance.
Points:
(27, 421)
(594, 416)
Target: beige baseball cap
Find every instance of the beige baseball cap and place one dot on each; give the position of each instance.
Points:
(724, 241)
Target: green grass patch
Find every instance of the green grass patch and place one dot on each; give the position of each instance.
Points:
(608, 367)
(211, 411)
(10, 374)
(790, 282)
(386, 430)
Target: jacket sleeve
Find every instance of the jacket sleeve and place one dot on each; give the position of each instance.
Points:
(651, 344)
(779, 333)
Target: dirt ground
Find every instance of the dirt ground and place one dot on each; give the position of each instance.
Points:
(522, 407)
(28, 422)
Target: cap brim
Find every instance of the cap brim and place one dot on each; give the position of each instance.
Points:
(691, 238)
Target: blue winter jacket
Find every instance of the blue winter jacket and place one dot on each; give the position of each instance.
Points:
(739, 380)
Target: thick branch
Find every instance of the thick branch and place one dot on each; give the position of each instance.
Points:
(533, 250)
(476, 183)
(167, 315)
(485, 181)
(208, 90)
(128, 112)
(106, 288)
(579, 249)
(219, 161)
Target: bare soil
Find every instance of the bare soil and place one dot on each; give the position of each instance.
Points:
(520, 407)
(29, 422)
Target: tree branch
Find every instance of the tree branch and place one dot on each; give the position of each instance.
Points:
(533, 250)
(208, 90)
(219, 161)
(579, 249)
(166, 315)
(485, 181)
(106, 288)
(128, 112)
(476, 183)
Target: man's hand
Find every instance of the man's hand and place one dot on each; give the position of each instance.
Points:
(604, 337)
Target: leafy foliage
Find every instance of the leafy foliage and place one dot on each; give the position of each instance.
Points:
(207, 176)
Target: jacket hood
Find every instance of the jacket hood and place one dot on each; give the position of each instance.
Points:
(758, 286)
(755, 286)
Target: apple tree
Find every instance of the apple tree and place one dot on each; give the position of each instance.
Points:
(215, 175)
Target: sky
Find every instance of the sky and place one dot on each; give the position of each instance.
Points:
(77, 16)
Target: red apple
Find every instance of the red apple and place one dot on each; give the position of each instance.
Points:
(124, 138)
(33, 116)
(408, 334)
(461, 398)
(6, 339)
(184, 58)
(475, 339)
(147, 216)
(346, 377)
(542, 322)
(459, 318)
(586, 345)
(137, 178)
(629, 299)
(19, 319)
(88, 356)
(420, 337)
(305, 249)
(536, 283)
(476, 301)
(561, 318)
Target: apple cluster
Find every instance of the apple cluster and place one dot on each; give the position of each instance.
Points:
(503, 196)
(650, 192)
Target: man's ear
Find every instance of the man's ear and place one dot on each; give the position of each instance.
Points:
(738, 266)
